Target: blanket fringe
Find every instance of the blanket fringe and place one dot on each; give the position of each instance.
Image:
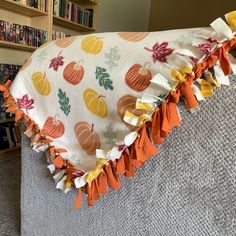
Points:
(163, 120)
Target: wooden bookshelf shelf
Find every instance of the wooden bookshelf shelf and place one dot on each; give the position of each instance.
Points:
(21, 8)
(7, 44)
(7, 120)
(71, 25)
(9, 150)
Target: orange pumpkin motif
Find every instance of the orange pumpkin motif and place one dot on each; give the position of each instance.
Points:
(65, 42)
(128, 103)
(74, 72)
(53, 127)
(138, 77)
(133, 36)
(87, 137)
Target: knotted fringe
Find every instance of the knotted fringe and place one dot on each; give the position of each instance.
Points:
(163, 120)
(133, 156)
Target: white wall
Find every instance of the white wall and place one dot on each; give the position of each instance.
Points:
(123, 15)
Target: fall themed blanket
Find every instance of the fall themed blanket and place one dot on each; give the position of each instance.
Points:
(97, 104)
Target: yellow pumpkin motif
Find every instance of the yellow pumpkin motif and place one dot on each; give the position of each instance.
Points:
(92, 44)
(95, 103)
(41, 83)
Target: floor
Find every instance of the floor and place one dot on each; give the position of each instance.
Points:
(10, 175)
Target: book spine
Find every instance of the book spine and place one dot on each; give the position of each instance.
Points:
(58, 8)
(17, 33)
(21, 34)
(1, 74)
(11, 72)
(30, 36)
(72, 11)
(45, 36)
(7, 31)
(26, 34)
(6, 73)
(14, 33)
(1, 30)
(34, 38)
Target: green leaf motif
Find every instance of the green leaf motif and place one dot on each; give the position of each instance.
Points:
(112, 57)
(64, 102)
(42, 56)
(103, 78)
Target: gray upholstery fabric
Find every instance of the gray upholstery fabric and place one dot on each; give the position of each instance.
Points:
(189, 188)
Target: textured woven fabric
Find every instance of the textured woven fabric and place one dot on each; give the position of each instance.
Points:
(10, 195)
(189, 188)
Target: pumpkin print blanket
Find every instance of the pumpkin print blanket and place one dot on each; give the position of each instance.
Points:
(97, 104)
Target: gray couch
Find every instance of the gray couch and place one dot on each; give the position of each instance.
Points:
(189, 188)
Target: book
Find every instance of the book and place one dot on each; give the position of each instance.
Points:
(30, 36)
(56, 7)
(7, 71)
(38, 4)
(26, 35)
(2, 30)
(22, 34)
(90, 17)
(7, 28)
(73, 12)
(62, 8)
(17, 28)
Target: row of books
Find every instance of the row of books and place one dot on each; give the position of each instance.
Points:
(73, 12)
(22, 34)
(58, 35)
(38, 4)
(10, 135)
(7, 71)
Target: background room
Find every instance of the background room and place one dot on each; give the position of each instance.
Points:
(27, 25)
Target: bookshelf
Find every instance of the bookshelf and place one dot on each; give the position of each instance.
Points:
(71, 25)
(7, 120)
(15, 149)
(18, 13)
(21, 8)
(16, 46)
